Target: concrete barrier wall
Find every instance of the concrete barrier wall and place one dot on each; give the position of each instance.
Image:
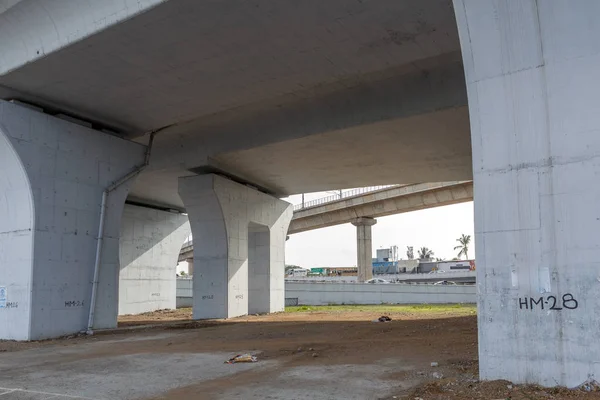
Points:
(319, 293)
(361, 293)
(184, 293)
(444, 276)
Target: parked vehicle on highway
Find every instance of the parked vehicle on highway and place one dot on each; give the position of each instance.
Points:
(377, 281)
(445, 283)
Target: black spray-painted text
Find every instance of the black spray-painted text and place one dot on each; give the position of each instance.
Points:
(74, 303)
(552, 303)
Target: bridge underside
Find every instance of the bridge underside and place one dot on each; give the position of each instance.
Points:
(227, 85)
(292, 96)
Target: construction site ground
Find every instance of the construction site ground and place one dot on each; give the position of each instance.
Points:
(333, 352)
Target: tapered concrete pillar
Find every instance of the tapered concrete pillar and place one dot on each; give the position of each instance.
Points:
(149, 248)
(364, 247)
(239, 243)
(52, 175)
(190, 263)
(533, 78)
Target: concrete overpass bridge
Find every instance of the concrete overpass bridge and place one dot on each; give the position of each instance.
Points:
(218, 109)
(391, 200)
(361, 206)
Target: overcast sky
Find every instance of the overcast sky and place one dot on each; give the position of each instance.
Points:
(436, 228)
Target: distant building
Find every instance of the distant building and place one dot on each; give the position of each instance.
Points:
(456, 265)
(386, 261)
(425, 267)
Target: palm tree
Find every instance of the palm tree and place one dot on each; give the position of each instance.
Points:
(425, 254)
(465, 241)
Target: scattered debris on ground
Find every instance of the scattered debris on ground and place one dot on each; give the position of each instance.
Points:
(437, 375)
(461, 388)
(383, 318)
(242, 358)
(590, 385)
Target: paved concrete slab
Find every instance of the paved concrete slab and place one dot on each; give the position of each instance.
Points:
(87, 371)
(319, 383)
(17, 394)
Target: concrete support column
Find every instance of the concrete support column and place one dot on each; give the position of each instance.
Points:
(190, 263)
(149, 248)
(52, 175)
(239, 243)
(532, 72)
(364, 247)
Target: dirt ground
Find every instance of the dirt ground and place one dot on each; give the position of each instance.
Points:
(393, 359)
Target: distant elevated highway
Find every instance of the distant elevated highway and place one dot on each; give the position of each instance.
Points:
(380, 202)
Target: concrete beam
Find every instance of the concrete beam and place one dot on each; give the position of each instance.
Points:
(32, 29)
(379, 204)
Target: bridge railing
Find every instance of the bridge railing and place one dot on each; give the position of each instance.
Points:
(344, 195)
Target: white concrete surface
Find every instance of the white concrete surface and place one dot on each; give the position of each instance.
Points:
(323, 293)
(30, 29)
(386, 84)
(365, 293)
(532, 70)
(53, 175)
(226, 218)
(184, 292)
(259, 269)
(364, 248)
(149, 247)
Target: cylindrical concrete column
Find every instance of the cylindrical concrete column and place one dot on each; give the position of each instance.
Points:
(190, 262)
(364, 247)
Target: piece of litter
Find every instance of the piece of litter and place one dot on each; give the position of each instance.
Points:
(242, 358)
(590, 386)
(311, 349)
(315, 355)
(434, 364)
(509, 386)
(383, 318)
(437, 375)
